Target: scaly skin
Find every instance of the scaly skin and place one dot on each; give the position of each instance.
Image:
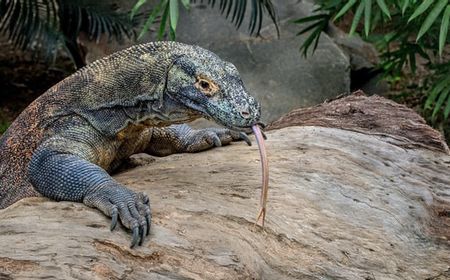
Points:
(64, 144)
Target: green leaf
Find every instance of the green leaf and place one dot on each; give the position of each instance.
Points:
(420, 50)
(421, 9)
(444, 30)
(412, 61)
(435, 91)
(447, 109)
(174, 14)
(186, 4)
(235, 11)
(405, 6)
(136, 7)
(431, 18)
(308, 19)
(151, 19)
(356, 18)
(389, 37)
(442, 97)
(384, 8)
(315, 35)
(172, 34)
(310, 27)
(162, 26)
(344, 9)
(376, 18)
(367, 16)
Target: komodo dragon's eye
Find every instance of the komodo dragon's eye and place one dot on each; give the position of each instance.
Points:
(206, 86)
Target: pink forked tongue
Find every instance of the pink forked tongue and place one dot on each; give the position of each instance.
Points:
(265, 174)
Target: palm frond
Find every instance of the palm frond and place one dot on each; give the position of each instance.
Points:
(26, 23)
(45, 24)
(234, 10)
(239, 7)
(317, 24)
(95, 18)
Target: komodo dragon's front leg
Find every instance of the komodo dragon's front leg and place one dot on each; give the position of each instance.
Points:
(182, 138)
(67, 169)
(70, 167)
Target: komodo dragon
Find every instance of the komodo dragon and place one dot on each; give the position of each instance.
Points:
(136, 100)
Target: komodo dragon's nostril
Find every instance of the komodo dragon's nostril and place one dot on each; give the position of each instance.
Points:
(245, 114)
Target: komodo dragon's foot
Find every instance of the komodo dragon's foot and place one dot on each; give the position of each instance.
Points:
(202, 139)
(184, 139)
(132, 208)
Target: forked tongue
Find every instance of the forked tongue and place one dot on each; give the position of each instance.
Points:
(265, 174)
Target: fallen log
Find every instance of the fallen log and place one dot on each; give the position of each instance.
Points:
(347, 200)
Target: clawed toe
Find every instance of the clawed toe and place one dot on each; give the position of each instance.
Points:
(114, 217)
(133, 210)
(216, 140)
(135, 239)
(244, 136)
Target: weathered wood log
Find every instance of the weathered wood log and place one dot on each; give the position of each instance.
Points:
(343, 204)
(369, 115)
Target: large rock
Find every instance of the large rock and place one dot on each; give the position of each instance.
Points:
(342, 205)
(364, 59)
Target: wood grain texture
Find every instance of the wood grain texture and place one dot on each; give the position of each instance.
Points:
(368, 114)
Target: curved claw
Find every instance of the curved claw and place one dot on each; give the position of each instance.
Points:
(264, 135)
(114, 217)
(243, 136)
(216, 141)
(262, 125)
(142, 233)
(135, 239)
(145, 199)
(118, 202)
(148, 218)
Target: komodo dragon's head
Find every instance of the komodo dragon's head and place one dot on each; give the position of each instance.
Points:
(203, 82)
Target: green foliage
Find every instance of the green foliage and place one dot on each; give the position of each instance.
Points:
(44, 24)
(3, 126)
(403, 30)
(168, 12)
(438, 100)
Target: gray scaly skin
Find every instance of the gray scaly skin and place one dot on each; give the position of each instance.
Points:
(64, 144)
